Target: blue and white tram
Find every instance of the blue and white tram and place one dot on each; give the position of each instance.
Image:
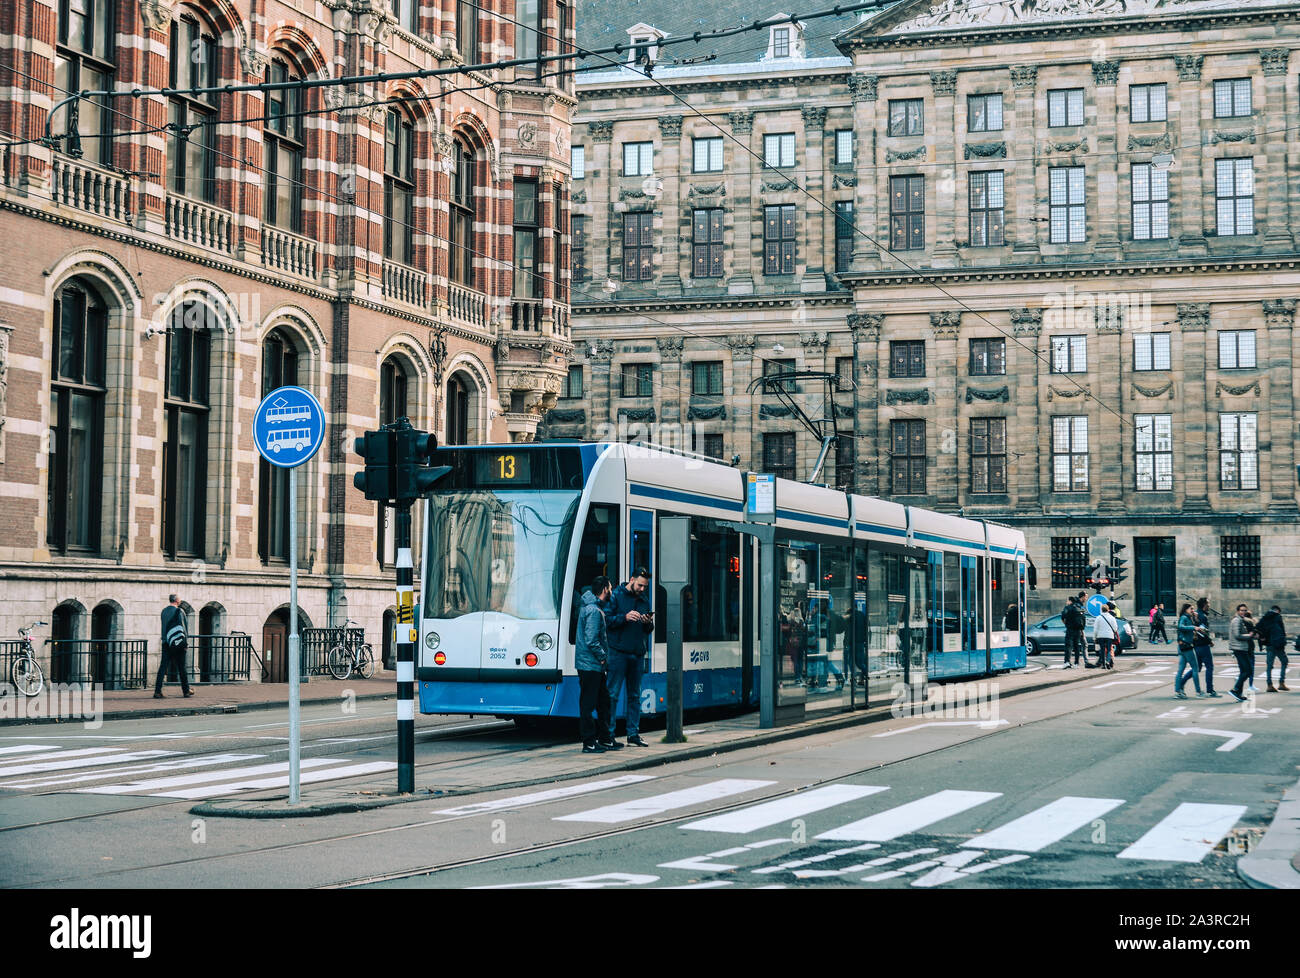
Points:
(871, 592)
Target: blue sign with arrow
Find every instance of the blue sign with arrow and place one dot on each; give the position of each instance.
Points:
(289, 427)
(1096, 604)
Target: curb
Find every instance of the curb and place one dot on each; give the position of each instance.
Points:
(243, 808)
(1269, 866)
(161, 712)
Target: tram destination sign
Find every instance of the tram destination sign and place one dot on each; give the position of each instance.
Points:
(760, 497)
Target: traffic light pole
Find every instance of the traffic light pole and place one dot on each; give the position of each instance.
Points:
(405, 652)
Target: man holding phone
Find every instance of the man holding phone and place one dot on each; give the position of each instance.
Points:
(629, 623)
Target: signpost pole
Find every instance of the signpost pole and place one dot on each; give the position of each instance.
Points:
(295, 746)
(405, 652)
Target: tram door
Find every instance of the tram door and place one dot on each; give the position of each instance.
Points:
(914, 632)
(641, 551)
(969, 597)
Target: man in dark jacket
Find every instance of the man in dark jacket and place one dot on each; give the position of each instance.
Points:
(630, 622)
(1073, 618)
(591, 658)
(173, 646)
(1271, 632)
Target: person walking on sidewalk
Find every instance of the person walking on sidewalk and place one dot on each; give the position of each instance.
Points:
(1186, 653)
(1075, 621)
(1271, 632)
(1203, 645)
(1158, 626)
(1241, 641)
(630, 623)
(591, 659)
(173, 646)
(1105, 632)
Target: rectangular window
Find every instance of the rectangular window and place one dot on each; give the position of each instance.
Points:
(778, 149)
(844, 374)
(1068, 213)
(1070, 558)
(907, 358)
(1232, 98)
(578, 248)
(843, 146)
(907, 457)
(772, 368)
(713, 447)
(527, 21)
(1147, 103)
(1151, 351)
(984, 113)
(778, 239)
(1234, 196)
(1069, 354)
(708, 155)
(906, 213)
(1239, 563)
(1236, 349)
(1070, 454)
(778, 455)
(706, 243)
(987, 209)
(906, 117)
(578, 162)
(638, 379)
(1150, 199)
(573, 384)
(843, 235)
(988, 455)
(528, 251)
(1155, 451)
(706, 377)
(1065, 107)
(638, 159)
(467, 30)
(844, 462)
(780, 42)
(988, 358)
(638, 247)
(1238, 451)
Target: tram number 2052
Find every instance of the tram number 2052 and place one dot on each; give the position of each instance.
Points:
(699, 655)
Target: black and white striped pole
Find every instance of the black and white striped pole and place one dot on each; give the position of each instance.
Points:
(406, 639)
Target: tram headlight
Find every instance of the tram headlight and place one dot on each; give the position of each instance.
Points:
(543, 641)
(431, 640)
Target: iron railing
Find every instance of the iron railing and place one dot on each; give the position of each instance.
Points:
(317, 642)
(216, 659)
(112, 663)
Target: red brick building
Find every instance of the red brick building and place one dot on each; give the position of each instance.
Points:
(394, 246)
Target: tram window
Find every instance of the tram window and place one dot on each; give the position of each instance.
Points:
(597, 554)
(1002, 584)
(711, 601)
(981, 597)
(951, 595)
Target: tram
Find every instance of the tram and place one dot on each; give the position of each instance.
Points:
(871, 593)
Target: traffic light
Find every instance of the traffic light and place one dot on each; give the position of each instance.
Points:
(1117, 571)
(415, 476)
(379, 480)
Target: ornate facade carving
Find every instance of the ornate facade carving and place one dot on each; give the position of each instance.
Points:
(707, 190)
(253, 61)
(632, 195)
(741, 346)
(1162, 142)
(1105, 72)
(579, 197)
(776, 186)
(865, 326)
(862, 88)
(1071, 146)
(1069, 392)
(644, 415)
(766, 411)
(1278, 313)
(838, 181)
(567, 416)
(945, 324)
(741, 121)
(670, 126)
(1024, 78)
(156, 14)
(1108, 318)
(670, 347)
(528, 135)
(944, 82)
(1220, 389)
(1193, 316)
(601, 350)
(1273, 61)
(814, 117)
(995, 394)
(600, 132)
(893, 156)
(1232, 136)
(907, 397)
(1189, 66)
(985, 151)
(813, 342)
(1026, 322)
(712, 412)
(1154, 391)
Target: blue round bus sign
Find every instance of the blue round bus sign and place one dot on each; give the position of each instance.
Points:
(289, 427)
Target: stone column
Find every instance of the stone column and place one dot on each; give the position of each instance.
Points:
(1113, 434)
(817, 217)
(1193, 213)
(1199, 439)
(742, 274)
(743, 430)
(1029, 431)
(867, 456)
(944, 84)
(866, 256)
(1271, 192)
(672, 391)
(600, 400)
(1023, 230)
(603, 169)
(1107, 209)
(946, 489)
(670, 131)
(1279, 314)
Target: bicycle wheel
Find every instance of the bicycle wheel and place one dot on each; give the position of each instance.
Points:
(340, 662)
(366, 661)
(27, 676)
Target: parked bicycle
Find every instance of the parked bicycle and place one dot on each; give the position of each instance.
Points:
(26, 673)
(348, 657)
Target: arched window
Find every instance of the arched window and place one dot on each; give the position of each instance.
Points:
(399, 188)
(77, 392)
(284, 148)
(279, 368)
(84, 62)
(457, 411)
(185, 452)
(394, 403)
(192, 152)
(462, 216)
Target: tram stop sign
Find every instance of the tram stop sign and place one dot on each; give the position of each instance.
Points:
(289, 427)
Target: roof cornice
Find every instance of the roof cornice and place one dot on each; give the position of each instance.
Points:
(692, 304)
(1199, 266)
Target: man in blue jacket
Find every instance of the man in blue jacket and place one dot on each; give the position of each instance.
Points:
(591, 658)
(630, 622)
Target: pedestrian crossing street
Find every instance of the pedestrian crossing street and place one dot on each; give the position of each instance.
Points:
(160, 773)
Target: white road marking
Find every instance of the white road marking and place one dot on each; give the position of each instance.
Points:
(27, 748)
(579, 882)
(134, 787)
(911, 817)
(58, 754)
(332, 774)
(1235, 738)
(987, 724)
(187, 762)
(716, 884)
(116, 758)
(703, 863)
(1130, 682)
(519, 801)
(882, 861)
(784, 809)
(1186, 834)
(1153, 670)
(657, 804)
(833, 854)
(1043, 826)
(956, 869)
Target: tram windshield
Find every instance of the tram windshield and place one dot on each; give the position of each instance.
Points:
(497, 550)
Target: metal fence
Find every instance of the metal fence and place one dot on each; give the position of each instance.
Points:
(216, 659)
(317, 642)
(112, 663)
(9, 650)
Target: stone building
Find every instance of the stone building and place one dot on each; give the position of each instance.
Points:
(1050, 242)
(393, 246)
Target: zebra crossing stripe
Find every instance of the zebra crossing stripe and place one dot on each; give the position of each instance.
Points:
(536, 797)
(27, 748)
(1043, 826)
(142, 787)
(783, 809)
(63, 765)
(330, 774)
(188, 762)
(657, 804)
(911, 817)
(1186, 834)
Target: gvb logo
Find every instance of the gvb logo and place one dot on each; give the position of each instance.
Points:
(76, 931)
